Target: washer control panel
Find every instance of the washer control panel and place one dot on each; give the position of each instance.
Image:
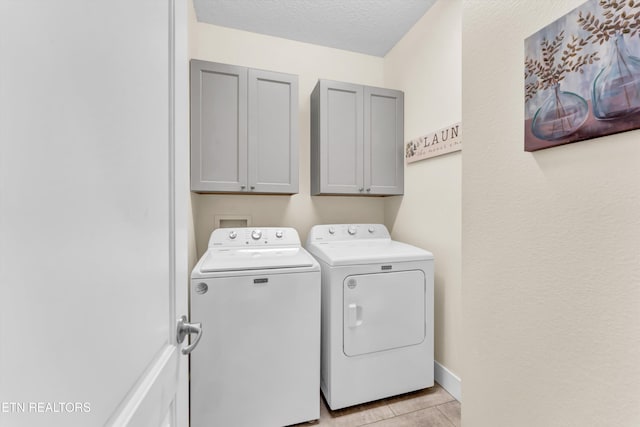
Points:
(254, 236)
(347, 232)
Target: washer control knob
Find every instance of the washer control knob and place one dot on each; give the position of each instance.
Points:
(233, 234)
(372, 230)
(352, 230)
(279, 234)
(332, 230)
(256, 234)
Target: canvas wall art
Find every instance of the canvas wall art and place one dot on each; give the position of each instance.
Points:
(582, 75)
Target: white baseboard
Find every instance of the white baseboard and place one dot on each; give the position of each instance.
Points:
(448, 380)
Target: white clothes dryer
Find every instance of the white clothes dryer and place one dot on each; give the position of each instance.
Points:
(257, 294)
(377, 313)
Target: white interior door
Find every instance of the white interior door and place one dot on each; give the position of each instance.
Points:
(93, 193)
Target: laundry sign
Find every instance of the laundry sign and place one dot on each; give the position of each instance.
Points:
(442, 141)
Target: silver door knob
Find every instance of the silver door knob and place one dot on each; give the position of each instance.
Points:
(183, 329)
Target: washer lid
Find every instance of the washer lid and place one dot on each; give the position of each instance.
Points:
(225, 259)
(373, 251)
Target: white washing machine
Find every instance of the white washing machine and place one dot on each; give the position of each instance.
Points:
(257, 294)
(377, 313)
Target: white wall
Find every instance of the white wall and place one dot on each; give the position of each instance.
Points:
(426, 65)
(309, 62)
(551, 247)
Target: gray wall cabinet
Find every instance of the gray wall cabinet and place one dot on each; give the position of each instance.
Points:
(357, 135)
(244, 130)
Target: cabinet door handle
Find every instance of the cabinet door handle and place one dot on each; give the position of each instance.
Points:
(368, 189)
(253, 187)
(361, 189)
(242, 187)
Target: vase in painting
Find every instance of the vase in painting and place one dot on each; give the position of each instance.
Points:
(560, 115)
(616, 88)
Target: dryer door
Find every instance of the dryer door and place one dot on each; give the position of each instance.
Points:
(383, 311)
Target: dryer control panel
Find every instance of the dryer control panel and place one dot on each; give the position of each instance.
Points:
(347, 232)
(254, 236)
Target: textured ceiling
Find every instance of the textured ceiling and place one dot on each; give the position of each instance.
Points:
(366, 26)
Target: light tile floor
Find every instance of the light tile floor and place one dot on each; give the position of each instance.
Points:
(432, 407)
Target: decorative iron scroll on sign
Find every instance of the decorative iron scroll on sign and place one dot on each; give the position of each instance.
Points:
(442, 141)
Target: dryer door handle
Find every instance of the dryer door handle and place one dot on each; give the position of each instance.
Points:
(355, 315)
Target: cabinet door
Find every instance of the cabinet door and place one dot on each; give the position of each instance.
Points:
(273, 132)
(341, 138)
(383, 136)
(218, 127)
